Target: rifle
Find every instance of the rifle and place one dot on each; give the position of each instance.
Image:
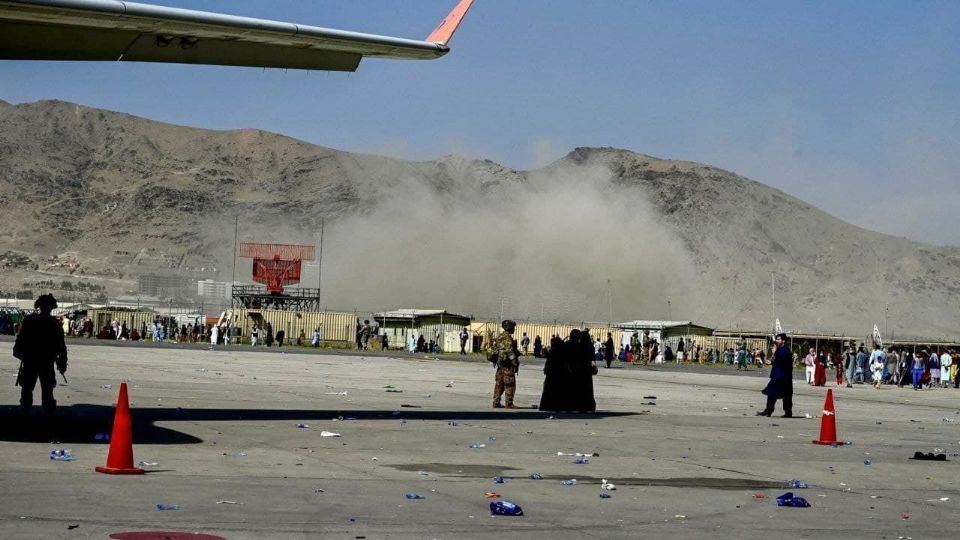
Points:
(19, 374)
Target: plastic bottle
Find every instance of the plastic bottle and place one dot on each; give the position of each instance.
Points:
(505, 508)
(413, 496)
(497, 479)
(63, 454)
(536, 476)
(162, 506)
(796, 484)
(571, 482)
(481, 445)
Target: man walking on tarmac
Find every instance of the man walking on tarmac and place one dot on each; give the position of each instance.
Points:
(39, 347)
(505, 355)
(464, 336)
(781, 380)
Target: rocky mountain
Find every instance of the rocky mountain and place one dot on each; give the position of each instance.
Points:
(94, 195)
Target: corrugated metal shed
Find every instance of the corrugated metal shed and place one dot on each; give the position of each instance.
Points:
(334, 326)
(433, 324)
(130, 318)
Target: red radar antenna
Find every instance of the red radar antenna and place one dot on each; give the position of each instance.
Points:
(276, 265)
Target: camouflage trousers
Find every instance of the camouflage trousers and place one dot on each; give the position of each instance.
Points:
(506, 383)
(48, 381)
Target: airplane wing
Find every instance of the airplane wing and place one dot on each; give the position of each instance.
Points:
(117, 30)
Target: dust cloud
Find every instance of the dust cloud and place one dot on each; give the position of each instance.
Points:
(560, 243)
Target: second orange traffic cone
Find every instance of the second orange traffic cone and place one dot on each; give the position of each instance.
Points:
(828, 423)
(120, 456)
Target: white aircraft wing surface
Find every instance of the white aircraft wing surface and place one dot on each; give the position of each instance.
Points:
(115, 30)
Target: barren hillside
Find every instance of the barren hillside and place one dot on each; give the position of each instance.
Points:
(103, 196)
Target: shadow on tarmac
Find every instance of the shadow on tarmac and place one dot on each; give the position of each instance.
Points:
(82, 423)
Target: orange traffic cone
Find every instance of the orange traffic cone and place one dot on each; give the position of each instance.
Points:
(828, 423)
(120, 456)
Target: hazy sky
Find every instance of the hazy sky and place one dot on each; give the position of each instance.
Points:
(852, 106)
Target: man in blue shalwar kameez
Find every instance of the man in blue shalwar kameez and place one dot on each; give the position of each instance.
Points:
(781, 380)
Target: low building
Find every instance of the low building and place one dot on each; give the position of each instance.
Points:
(433, 324)
(670, 333)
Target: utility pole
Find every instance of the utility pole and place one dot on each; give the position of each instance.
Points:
(320, 269)
(610, 299)
(773, 299)
(817, 346)
(236, 238)
(886, 312)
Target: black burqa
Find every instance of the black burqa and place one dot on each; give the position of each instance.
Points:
(558, 376)
(582, 370)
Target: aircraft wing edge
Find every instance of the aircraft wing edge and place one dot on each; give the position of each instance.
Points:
(131, 15)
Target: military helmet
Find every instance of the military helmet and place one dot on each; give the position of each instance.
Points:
(45, 301)
(508, 325)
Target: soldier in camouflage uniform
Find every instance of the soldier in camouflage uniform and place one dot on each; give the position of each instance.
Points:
(508, 364)
(364, 338)
(40, 347)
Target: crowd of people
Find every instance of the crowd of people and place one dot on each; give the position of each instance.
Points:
(900, 366)
(161, 330)
(10, 319)
(924, 368)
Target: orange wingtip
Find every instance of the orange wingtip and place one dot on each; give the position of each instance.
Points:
(442, 33)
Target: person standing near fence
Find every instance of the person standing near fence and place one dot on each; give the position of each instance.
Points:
(810, 362)
(608, 349)
(850, 363)
(946, 363)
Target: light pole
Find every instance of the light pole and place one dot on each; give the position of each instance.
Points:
(886, 312)
(817, 338)
(773, 298)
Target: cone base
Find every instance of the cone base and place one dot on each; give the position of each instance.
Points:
(829, 443)
(113, 470)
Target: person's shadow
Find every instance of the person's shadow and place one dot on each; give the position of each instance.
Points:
(83, 423)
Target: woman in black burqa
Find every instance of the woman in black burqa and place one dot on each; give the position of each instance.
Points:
(583, 370)
(569, 370)
(556, 383)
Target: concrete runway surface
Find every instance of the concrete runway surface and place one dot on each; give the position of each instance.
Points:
(221, 428)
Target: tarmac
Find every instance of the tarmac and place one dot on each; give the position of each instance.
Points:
(218, 431)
